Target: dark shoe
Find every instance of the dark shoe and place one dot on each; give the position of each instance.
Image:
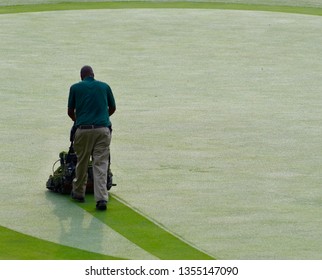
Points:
(77, 197)
(101, 205)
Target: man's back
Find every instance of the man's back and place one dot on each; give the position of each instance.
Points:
(91, 100)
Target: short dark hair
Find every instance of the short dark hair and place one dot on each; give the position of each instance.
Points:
(86, 71)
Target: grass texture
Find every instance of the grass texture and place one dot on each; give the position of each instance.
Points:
(18, 246)
(157, 5)
(217, 134)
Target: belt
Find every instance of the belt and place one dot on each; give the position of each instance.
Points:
(90, 126)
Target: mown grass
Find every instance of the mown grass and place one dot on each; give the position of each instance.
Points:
(156, 5)
(27, 247)
(19, 246)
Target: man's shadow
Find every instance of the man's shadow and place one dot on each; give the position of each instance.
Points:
(77, 228)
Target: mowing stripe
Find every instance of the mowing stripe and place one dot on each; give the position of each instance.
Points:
(156, 5)
(143, 232)
(19, 246)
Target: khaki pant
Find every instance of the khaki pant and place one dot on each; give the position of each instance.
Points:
(96, 143)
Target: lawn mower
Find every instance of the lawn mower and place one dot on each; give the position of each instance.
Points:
(62, 178)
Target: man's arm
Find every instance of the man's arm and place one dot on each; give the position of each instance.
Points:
(110, 101)
(71, 114)
(111, 110)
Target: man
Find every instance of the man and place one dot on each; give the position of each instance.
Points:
(90, 105)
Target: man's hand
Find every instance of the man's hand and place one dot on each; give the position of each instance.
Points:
(72, 133)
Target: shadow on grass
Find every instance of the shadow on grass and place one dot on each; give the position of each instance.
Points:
(18, 246)
(143, 232)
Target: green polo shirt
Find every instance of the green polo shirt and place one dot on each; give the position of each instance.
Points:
(91, 100)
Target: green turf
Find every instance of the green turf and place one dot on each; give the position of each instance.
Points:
(156, 5)
(240, 177)
(144, 232)
(123, 219)
(18, 246)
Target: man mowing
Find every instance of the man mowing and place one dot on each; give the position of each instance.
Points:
(90, 105)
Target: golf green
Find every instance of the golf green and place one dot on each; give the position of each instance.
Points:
(216, 142)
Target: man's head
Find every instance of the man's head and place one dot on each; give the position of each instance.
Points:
(86, 71)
